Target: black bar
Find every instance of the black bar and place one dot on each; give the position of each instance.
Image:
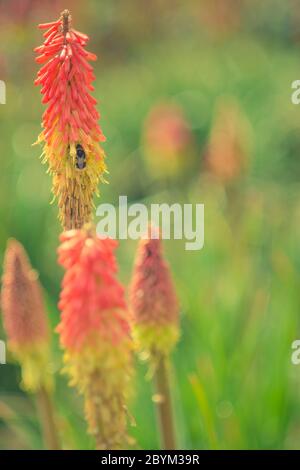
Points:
(137, 458)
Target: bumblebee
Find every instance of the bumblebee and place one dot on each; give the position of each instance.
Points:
(80, 157)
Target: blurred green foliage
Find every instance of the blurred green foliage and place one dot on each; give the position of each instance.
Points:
(233, 382)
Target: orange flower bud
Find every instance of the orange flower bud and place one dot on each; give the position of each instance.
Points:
(227, 152)
(153, 299)
(25, 318)
(168, 141)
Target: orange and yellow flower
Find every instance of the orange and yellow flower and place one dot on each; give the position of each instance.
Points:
(228, 147)
(25, 318)
(153, 300)
(95, 333)
(71, 134)
(168, 143)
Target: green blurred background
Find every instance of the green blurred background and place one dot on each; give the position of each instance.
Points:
(195, 102)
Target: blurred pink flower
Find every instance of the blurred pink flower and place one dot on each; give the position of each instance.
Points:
(228, 146)
(168, 140)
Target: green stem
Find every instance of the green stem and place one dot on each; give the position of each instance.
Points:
(164, 405)
(46, 412)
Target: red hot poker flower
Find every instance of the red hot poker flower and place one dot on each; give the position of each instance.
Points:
(229, 144)
(155, 307)
(153, 299)
(92, 300)
(25, 318)
(95, 334)
(71, 135)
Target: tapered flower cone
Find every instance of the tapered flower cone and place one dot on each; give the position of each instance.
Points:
(94, 331)
(153, 300)
(71, 135)
(25, 319)
(155, 309)
(229, 143)
(25, 322)
(168, 143)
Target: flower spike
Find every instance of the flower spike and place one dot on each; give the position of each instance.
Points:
(153, 299)
(71, 134)
(25, 318)
(95, 334)
(155, 308)
(26, 325)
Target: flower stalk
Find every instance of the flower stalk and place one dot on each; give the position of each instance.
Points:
(25, 322)
(95, 334)
(155, 309)
(163, 402)
(47, 418)
(71, 136)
